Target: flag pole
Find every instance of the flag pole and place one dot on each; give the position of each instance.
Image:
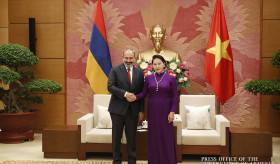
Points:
(218, 106)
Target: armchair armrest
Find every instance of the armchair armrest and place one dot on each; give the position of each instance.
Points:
(86, 123)
(221, 124)
(178, 123)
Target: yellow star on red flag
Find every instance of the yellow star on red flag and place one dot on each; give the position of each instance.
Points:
(220, 50)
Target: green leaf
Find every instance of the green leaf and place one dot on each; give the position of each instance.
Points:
(8, 76)
(23, 95)
(276, 106)
(27, 73)
(35, 99)
(275, 61)
(263, 86)
(43, 86)
(31, 99)
(15, 55)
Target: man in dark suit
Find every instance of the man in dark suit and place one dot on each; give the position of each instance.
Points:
(125, 80)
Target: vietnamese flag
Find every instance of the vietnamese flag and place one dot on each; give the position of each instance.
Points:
(218, 68)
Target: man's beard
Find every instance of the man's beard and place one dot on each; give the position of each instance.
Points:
(158, 46)
(128, 65)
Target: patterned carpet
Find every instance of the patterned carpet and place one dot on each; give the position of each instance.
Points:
(59, 162)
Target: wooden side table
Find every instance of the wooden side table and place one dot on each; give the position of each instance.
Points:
(253, 144)
(142, 145)
(60, 142)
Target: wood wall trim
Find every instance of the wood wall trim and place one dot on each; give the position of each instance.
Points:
(65, 62)
(261, 54)
(51, 113)
(3, 35)
(3, 14)
(271, 35)
(271, 9)
(44, 11)
(3, 31)
(270, 116)
(19, 33)
(50, 38)
(52, 69)
(50, 45)
(268, 71)
(270, 44)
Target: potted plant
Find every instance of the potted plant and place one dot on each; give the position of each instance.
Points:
(17, 117)
(267, 87)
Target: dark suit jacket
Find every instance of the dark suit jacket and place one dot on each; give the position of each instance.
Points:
(118, 84)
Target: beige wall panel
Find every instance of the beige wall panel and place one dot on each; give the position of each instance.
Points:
(50, 38)
(52, 113)
(18, 33)
(271, 9)
(268, 71)
(3, 13)
(44, 11)
(270, 118)
(3, 35)
(271, 35)
(52, 69)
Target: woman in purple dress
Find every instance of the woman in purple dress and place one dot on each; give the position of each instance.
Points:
(162, 90)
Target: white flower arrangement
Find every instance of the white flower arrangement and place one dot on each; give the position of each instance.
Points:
(144, 65)
(175, 68)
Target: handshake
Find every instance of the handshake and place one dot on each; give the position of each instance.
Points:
(130, 97)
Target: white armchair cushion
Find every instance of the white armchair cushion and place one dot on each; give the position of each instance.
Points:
(197, 100)
(198, 117)
(178, 123)
(99, 136)
(200, 137)
(221, 124)
(86, 123)
(104, 119)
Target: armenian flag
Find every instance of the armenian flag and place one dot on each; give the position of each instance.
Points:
(99, 60)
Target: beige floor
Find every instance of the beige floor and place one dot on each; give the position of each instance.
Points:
(33, 151)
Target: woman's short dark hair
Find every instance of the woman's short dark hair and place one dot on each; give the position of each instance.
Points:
(159, 57)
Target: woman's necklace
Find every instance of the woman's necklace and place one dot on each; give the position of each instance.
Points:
(159, 80)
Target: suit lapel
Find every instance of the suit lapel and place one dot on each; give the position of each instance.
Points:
(134, 78)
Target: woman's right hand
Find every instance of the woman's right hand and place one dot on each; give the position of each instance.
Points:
(171, 117)
(130, 97)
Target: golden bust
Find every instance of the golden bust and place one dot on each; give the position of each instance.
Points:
(158, 35)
